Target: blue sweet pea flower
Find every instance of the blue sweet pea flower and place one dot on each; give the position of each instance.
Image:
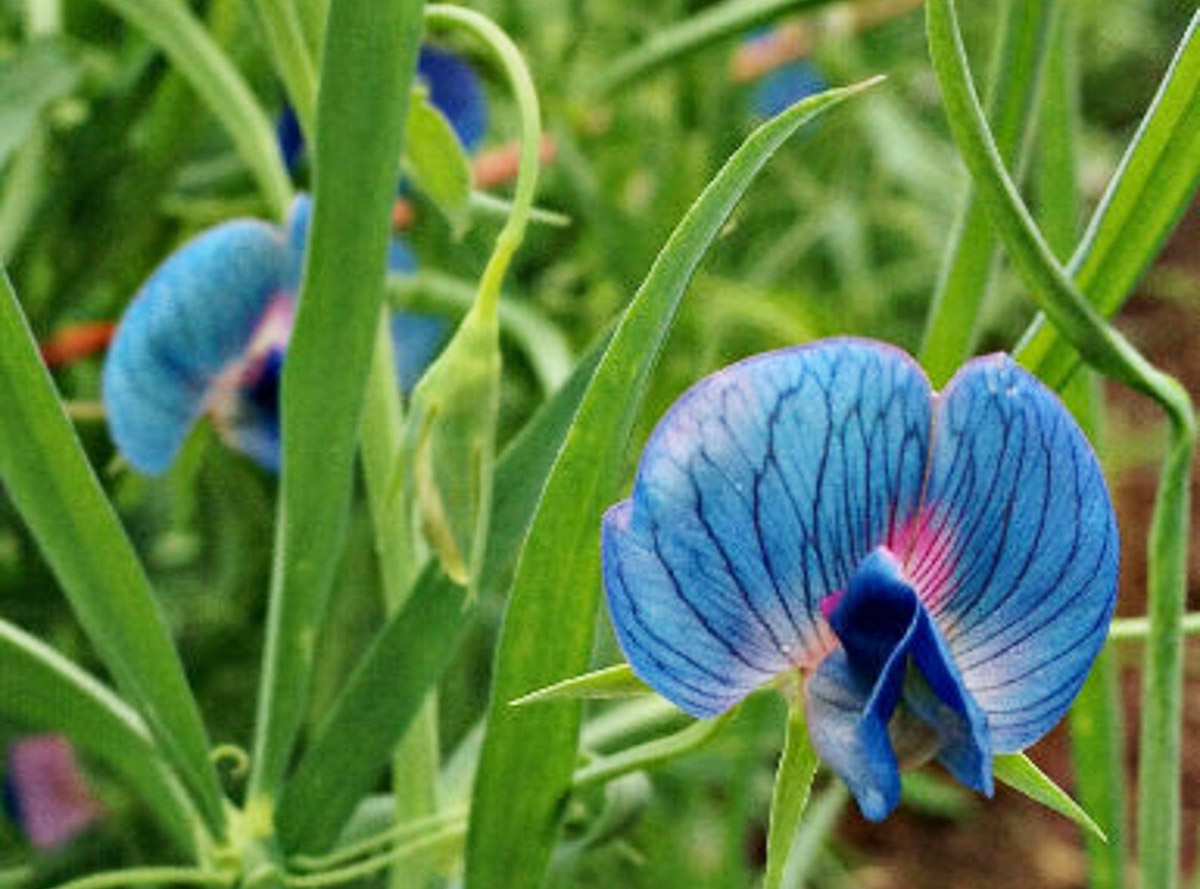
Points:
(454, 90)
(208, 332)
(940, 567)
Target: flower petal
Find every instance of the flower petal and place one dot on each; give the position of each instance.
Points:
(757, 496)
(195, 314)
(1016, 552)
(891, 652)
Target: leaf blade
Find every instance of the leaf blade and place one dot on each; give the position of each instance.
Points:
(518, 785)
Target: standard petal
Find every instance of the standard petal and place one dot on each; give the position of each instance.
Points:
(1016, 554)
(756, 497)
(455, 91)
(193, 316)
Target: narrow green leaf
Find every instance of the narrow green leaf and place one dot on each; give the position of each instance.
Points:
(344, 760)
(43, 690)
(611, 682)
(369, 61)
(1019, 772)
(34, 76)
(523, 468)
(171, 26)
(435, 160)
(283, 29)
(722, 21)
(793, 783)
(1149, 192)
(1097, 756)
(1021, 50)
(548, 628)
(1057, 162)
(47, 475)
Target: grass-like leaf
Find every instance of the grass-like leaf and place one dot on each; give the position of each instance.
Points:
(1020, 56)
(379, 702)
(720, 22)
(528, 754)
(369, 60)
(1020, 773)
(47, 475)
(1149, 192)
(171, 26)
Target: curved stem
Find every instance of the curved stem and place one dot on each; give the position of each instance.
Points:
(509, 58)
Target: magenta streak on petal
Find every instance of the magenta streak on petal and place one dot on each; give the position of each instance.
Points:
(928, 556)
(52, 795)
(272, 333)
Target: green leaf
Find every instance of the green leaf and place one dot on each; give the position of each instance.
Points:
(793, 783)
(549, 623)
(369, 61)
(435, 160)
(449, 445)
(611, 682)
(386, 690)
(722, 21)
(171, 26)
(1149, 192)
(47, 475)
(1019, 772)
(34, 76)
(1021, 50)
(43, 690)
(1098, 761)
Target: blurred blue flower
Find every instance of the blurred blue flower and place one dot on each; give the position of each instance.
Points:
(782, 88)
(45, 793)
(940, 567)
(208, 332)
(454, 89)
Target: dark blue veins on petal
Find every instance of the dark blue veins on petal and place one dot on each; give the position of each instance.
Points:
(195, 314)
(756, 497)
(1016, 498)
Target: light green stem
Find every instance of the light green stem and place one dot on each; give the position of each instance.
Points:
(509, 58)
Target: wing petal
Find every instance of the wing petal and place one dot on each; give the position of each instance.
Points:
(1017, 552)
(757, 495)
(195, 314)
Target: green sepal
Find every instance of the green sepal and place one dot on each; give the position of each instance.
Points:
(449, 446)
(1018, 771)
(611, 682)
(435, 160)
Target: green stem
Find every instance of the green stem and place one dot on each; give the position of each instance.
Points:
(651, 753)
(1137, 629)
(401, 832)
(172, 27)
(150, 876)
(509, 58)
